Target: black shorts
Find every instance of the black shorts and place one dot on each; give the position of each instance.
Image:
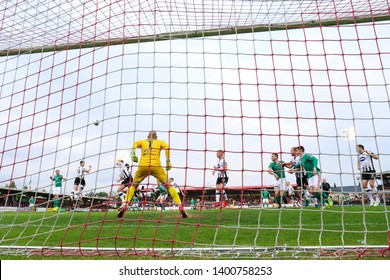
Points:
(221, 180)
(79, 181)
(302, 180)
(370, 175)
(127, 181)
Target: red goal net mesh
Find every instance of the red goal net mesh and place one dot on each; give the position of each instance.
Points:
(83, 81)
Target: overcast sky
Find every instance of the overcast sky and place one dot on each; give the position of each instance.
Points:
(249, 94)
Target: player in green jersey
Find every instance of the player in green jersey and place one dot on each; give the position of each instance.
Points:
(162, 196)
(31, 202)
(310, 164)
(276, 169)
(135, 203)
(58, 179)
(265, 198)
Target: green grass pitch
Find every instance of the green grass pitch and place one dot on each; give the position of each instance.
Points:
(206, 228)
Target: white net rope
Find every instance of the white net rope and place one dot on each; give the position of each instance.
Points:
(39, 24)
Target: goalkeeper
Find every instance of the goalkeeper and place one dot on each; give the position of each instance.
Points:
(150, 164)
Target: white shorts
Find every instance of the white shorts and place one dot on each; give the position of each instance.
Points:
(57, 190)
(162, 197)
(280, 184)
(314, 181)
(265, 200)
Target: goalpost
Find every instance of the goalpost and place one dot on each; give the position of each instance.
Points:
(82, 80)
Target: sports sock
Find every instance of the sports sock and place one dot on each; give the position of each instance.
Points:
(375, 193)
(369, 194)
(217, 196)
(278, 199)
(225, 196)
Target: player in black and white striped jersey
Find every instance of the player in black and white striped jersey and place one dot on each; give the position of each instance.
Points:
(220, 169)
(365, 164)
(124, 177)
(300, 175)
(79, 180)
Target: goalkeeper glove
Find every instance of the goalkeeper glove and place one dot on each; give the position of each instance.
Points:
(134, 158)
(169, 165)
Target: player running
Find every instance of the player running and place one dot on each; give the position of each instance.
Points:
(150, 164)
(124, 177)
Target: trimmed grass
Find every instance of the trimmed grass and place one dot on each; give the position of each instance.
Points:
(215, 228)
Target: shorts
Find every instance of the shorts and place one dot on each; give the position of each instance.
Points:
(314, 181)
(162, 197)
(145, 171)
(127, 181)
(370, 175)
(265, 200)
(79, 181)
(221, 180)
(57, 190)
(280, 184)
(302, 180)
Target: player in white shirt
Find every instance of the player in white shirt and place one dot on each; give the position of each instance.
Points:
(79, 180)
(291, 194)
(125, 178)
(300, 175)
(365, 165)
(220, 170)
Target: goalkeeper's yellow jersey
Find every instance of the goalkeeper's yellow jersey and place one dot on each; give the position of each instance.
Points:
(150, 151)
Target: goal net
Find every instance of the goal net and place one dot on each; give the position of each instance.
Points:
(83, 80)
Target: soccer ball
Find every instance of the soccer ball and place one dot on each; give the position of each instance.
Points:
(96, 123)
